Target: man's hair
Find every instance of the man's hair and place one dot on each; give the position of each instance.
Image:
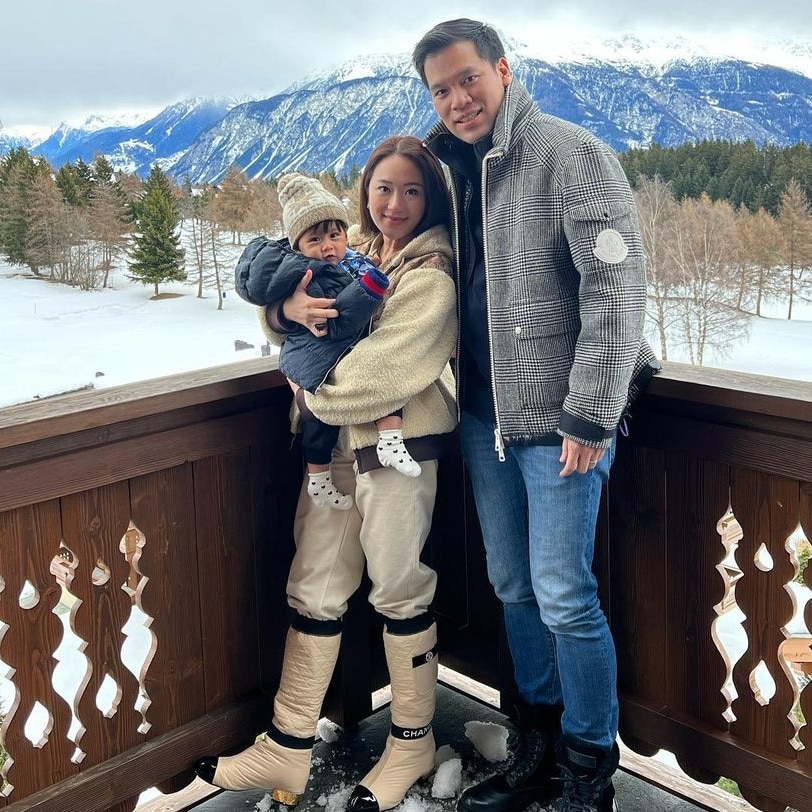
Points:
(485, 39)
(437, 199)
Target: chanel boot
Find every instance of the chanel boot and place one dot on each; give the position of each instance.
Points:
(409, 752)
(280, 763)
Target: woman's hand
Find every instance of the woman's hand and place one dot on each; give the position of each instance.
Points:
(309, 311)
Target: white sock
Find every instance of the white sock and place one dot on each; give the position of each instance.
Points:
(324, 493)
(392, 453)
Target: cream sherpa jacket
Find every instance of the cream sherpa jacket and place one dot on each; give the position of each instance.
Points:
(403, 363)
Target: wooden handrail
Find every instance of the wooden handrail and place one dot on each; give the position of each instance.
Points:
(199, 467)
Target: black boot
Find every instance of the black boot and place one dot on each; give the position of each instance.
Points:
(532, 775)
(587, 773)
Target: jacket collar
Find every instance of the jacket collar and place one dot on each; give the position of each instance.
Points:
(508, 122)
(433, 240)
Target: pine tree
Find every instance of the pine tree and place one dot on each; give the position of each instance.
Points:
(102, 170)
(75, 183)
(156, 255)
(18, 173)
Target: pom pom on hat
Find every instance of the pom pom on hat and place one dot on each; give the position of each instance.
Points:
(306, 202)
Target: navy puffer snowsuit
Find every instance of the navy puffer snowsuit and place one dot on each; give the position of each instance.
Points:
(268, 272)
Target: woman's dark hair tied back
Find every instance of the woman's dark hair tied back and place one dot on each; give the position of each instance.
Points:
(437, 200)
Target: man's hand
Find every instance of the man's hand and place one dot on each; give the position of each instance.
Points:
(309, 311)
(577, 457)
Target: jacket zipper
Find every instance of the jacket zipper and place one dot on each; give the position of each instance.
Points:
(456, 219)
(361, 334)
(499, 443)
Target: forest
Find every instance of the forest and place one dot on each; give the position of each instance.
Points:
(727, 229)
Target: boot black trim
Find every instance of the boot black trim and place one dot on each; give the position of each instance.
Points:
(410, 625)
(584, 760)
(428, 657)
(206, 767)
(409, 733)
(363, 800)
(292, 742)
(316, 628)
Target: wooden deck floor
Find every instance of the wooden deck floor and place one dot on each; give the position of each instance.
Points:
(337, 766)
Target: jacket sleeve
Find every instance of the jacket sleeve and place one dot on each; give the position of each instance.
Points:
(355, 308)
(242, 271)
(604, 238)
(267, 272)
(406, 353)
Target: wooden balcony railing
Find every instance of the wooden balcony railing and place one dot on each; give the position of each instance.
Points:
(145, 535)
(708, 523)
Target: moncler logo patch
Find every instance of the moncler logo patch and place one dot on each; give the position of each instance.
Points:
(610, 246)
(427, 657)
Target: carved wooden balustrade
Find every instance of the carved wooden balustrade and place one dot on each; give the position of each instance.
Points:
(145, 534)
(708, 525)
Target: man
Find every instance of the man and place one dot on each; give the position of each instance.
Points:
(551, 284)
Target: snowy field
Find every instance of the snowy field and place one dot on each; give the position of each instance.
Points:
(55, 339)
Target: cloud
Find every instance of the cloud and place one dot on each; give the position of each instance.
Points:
(71, 59)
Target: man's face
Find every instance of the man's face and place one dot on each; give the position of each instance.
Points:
(467, 91)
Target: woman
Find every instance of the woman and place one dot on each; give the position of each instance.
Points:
(402, 364)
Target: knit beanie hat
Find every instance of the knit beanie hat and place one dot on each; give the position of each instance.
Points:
(306, 202)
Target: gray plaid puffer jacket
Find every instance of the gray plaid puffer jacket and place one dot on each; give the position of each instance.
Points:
(565, 276)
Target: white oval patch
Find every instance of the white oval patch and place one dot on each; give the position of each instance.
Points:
(610, 246)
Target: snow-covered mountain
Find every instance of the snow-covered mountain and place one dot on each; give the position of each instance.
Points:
(9, 142)
(628, 91)
(161, 138)
(634, 94)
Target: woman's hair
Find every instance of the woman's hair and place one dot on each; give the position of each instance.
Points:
(486, 41)
(437, 199)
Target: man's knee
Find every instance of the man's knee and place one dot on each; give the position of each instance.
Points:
(511, 588)
(572, 618)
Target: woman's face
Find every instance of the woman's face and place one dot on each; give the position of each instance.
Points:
(396, 198)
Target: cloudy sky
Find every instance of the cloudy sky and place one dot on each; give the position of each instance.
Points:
(69, 59)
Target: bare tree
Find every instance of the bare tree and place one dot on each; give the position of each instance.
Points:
(231, 202)
(761, 249)
(109, 222)
(264, 214)
(656, 209)
(214, 278)
(795, 224)
(48, 236)
(84, 263)
(703, 246)
(132, 187)
(207, 246)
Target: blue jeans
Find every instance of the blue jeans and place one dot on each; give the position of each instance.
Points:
(539, 533)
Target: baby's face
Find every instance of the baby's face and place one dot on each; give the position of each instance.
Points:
(327, 241)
